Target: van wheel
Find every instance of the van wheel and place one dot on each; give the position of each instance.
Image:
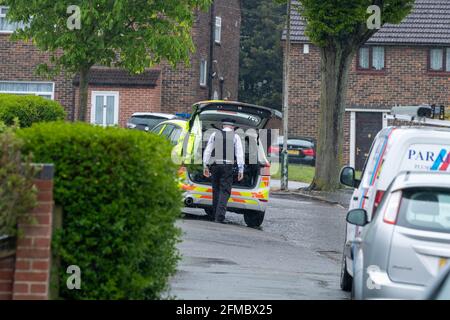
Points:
(346, 278)
(210, 213)
(254, 219)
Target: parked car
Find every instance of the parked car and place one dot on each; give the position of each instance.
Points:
(440, 288)
(249, 196)
(407, 241)
(173, 130)
(394, 149)
(146, 121)
(300, 149)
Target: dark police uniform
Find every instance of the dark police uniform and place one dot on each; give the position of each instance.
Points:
(223, 148)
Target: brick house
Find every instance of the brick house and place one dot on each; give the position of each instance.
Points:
(213, 73)
(405, 64)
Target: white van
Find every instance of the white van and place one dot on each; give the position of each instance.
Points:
(394, 149)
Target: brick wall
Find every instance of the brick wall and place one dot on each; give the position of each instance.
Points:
(227, 52)
(18, 61)
(181, 85)
(131, 100)
(26, 275)
(406, 81)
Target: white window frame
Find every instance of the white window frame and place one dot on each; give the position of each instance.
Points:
(116, 95)
(353, 112)
(32, 93)
(2, 15)
(204, 74)
(218, 30)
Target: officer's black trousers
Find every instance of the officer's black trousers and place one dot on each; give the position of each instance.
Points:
(222, 181)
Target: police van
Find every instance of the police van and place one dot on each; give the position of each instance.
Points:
(399, 148)
(255, 126)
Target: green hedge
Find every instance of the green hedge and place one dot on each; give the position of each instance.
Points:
(119, 193)
(29, 110)
(17, 192)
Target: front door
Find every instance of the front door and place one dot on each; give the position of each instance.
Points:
(368, 124)
(105, 108)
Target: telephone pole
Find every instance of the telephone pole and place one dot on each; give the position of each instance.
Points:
(287, 60)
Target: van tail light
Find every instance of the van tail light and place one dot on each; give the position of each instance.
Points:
(265, 171)
(378, 197)
(392, 208)
(309, 152)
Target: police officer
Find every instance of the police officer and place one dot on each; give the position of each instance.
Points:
(223, 148)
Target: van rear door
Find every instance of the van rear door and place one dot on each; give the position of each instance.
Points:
(420, 245)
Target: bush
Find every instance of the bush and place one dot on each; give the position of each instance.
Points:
(17, 192)
(29, 110)
(119, 193)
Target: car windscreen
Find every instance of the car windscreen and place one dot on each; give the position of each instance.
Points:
(426, 209)
(148, 121)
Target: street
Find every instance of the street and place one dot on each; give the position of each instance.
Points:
(294, 255)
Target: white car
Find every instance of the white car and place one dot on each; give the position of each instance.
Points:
(395, 149)
(406, 244)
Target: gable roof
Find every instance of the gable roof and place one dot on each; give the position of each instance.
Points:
(102, 76)
(427, 24)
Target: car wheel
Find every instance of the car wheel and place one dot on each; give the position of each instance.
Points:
(254, 219)
(346, 278)
(210, 213)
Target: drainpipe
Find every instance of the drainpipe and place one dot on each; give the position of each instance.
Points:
(211, 50)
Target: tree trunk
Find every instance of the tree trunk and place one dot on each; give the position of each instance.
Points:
(83, 94)
(335, 65)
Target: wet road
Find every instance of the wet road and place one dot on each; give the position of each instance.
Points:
(294, 255)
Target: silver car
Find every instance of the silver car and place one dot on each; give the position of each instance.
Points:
(407, 242)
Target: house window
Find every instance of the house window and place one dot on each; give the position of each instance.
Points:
(306, 48)
(218, 30)
(105, 108)
(203, 72)
(42, 89)
(371, 58)
(440, 59)
(5, 25)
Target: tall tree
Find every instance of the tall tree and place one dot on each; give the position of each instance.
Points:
(132, 34)
(339, 28)
(261, 71)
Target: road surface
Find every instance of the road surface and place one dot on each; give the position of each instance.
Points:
(294, 255)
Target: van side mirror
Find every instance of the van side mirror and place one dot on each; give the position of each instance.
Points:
(357, 217)
(348, 177)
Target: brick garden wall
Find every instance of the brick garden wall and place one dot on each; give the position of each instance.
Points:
(25, 275)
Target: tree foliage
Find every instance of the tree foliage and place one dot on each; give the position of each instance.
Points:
(345, 21)
(132, 34)
(261, 63)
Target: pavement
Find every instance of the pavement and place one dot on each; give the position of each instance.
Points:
(341, 197)
(296, 254)
(275, 185)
